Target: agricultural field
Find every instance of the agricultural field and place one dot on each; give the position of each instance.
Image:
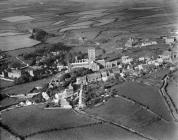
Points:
(31, 120)
(153, 20)
(130, 115)
(4, 84)
(16, 41)
(99, 132)
(9, 101)
(5, 135)
(25, 88)
(144, 94)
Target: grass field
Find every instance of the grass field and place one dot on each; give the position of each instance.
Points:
(5, 135)
(123, 112)
(97, 132)
(147, 95)
(130, 115)
(24, 88)
(10, 101)
(4, 84)
(32, 120)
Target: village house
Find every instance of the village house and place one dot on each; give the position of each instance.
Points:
(148, 43)
(129, 43)
(81, 80)
(14, 73)
(169, 40)
(166, 56)
(61, 67)
(94, 77)
(174, 54)
(84, 63)
(101, 62)
(104, 75)
(126, 59)
(94, 66)
(111, 64)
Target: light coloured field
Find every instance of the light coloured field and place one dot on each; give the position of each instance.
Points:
(9, 34)
(104, 22)
(74, 28)
(144, 8)
(92, 12)
(34, 119)
(96, 15)
(17, 18)
(16, 42)
(59, 22)
(86, 23)
(81, 25)
(160, 15)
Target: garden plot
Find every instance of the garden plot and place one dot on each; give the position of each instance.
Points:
(18, 18)
(34, 119)
(104, 22)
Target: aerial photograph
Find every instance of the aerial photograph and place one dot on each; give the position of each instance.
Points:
(88, 69)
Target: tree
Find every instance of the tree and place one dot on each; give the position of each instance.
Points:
(15, 64)
(25, 77)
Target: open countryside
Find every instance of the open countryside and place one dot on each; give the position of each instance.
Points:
(88, 70)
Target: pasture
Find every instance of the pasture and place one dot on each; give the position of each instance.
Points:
(31, 120)
(146, 95)
(132, 116)
(25, 88)
(99, 132)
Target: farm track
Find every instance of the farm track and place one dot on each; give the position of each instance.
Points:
(98, 118)
(168, 100)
